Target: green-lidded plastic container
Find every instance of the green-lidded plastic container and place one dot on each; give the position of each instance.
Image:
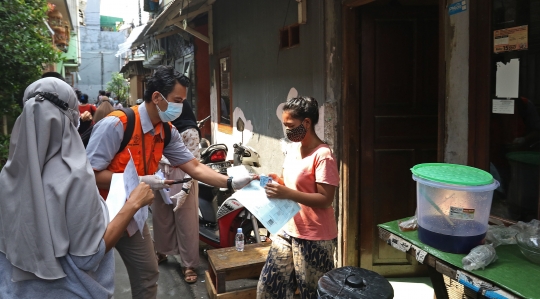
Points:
(454, 203)
(453, 174)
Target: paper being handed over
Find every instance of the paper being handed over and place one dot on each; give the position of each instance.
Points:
(273, 213)
(131, 181)
(122, 184)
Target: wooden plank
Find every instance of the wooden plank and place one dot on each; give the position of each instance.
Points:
(480, 66)
(446, 269)
(220, 282)
(229, 259)
(250, 293)
(192, 14)
(194, 32)
(441, 137)
(225, 129)
(209, 285)
(253, 271)
(211, 31)
(349, 208)
(437, 282)
(162, 35)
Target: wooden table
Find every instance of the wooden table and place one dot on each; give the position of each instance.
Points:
(228, 264)
(511, 276)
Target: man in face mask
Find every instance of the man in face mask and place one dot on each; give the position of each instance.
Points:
(163, 98)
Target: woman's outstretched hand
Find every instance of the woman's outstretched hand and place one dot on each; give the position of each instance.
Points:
(274, 190)
(276, 178)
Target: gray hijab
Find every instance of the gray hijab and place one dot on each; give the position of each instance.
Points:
(49, 203)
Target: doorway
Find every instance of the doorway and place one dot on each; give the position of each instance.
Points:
(392, 87)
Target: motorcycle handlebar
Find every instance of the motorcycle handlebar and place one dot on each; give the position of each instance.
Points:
(200, 123)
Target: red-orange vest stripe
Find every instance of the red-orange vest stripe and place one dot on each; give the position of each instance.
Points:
(153, 146)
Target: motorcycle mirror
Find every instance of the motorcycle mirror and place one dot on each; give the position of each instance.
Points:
(240, 125)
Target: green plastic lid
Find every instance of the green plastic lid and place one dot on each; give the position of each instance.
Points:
(532, 158)
(452, 174)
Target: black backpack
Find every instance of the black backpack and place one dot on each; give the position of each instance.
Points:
(130, 126)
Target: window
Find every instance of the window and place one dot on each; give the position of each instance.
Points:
(289, 36)
(225, 92)
(515, 133)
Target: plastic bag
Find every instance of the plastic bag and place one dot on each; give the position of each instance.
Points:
(501, 235)
(479, 257)
(532, 227)
(409, 225)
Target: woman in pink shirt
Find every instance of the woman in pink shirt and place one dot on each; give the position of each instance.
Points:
(304, 250)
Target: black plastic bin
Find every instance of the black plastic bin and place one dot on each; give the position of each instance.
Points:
(354, 283)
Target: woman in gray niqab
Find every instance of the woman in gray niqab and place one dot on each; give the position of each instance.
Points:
(52, 219)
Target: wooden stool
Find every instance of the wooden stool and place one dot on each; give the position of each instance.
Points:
(228, 264)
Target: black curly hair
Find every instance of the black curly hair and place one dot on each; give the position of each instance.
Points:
(163, 81)
(303, 107)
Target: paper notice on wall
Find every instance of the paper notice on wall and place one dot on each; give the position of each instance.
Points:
(511, 39)
(507, 85)
(503, 106)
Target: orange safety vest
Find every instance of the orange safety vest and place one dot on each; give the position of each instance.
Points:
(153, 148)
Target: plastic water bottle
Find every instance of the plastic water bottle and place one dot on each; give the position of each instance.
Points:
(239, 240)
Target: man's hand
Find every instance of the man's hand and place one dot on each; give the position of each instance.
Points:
(154, 181)
(241, 181)
(142, 195)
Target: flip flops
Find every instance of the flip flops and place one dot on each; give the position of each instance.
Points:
(190, 276)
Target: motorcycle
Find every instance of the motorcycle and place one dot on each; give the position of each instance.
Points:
(220, 215)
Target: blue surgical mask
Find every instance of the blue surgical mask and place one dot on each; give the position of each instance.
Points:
(173, 111)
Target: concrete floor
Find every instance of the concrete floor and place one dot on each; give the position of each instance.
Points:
(409, 288)
(171, 282)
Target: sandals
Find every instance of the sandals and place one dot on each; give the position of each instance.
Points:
(190, 276)
(161, 258)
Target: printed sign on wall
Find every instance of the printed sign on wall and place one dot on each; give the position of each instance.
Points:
(457, 7)
(511, 39)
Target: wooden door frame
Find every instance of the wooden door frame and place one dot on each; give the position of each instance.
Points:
(350, 150)
(480, 50)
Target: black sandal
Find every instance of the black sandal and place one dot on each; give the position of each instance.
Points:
(161, 258)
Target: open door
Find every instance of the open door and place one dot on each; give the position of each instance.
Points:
(399, 54)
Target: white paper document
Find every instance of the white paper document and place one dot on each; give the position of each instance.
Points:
(503, 106)
(131, 177)
(507, 79)
(122, 184)
(273, 213)
(131, 181)
(117, 195)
